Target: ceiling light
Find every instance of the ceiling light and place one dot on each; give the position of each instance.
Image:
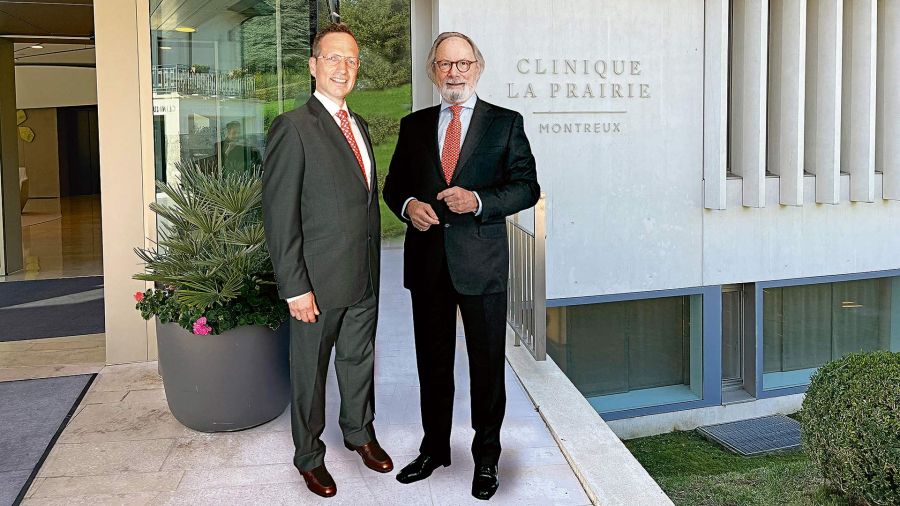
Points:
(37, 46)
(185, 29)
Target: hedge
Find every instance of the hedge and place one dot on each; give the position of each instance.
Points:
(851, 425)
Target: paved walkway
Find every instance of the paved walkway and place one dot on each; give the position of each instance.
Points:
(124, 447)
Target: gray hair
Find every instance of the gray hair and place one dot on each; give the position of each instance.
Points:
(429, 62)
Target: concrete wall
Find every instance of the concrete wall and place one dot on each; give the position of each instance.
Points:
(40, 157)
(626, 209)
(41, 87)
(126, 168)
(624, 199)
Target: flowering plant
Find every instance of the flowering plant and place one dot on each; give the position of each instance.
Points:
(211, 266)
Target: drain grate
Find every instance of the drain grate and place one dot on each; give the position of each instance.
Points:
(756, 436)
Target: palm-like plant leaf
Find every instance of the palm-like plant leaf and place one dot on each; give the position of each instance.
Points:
(211, 244)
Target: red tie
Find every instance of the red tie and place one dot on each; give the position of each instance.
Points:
(451, 144)
(348, 133)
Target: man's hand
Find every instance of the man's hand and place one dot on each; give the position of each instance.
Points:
(304, 308)
(421, 215)
(459, 200)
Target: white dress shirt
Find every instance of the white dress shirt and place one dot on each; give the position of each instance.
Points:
(333, 109)
(444, 117)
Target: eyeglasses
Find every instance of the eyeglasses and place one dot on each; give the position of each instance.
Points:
(446, 65)
(333, 60)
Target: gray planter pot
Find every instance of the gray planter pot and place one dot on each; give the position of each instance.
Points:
(232, 381)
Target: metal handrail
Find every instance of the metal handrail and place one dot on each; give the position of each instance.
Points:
(526, 309)
(181, 79)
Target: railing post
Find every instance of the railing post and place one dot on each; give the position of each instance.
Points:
(540, 279)
(526, 310)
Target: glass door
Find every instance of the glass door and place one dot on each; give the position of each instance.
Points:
(732, 338)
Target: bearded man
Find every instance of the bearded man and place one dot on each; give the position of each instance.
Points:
(458, 171)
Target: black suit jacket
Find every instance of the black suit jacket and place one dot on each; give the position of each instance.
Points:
(496, 161)
(323, 227)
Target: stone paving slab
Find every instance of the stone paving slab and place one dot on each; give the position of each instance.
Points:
(123, 448)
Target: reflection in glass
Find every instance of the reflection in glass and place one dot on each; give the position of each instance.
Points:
(624, 355)
(808, 325)
(221, 72)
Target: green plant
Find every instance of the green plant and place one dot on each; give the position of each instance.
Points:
(211, 261)
(382, 31)
(851, 425)
(381, 128)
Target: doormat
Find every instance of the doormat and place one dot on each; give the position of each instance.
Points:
(33, 413)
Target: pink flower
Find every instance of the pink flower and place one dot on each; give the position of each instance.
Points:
(201, 328)
(138, 296)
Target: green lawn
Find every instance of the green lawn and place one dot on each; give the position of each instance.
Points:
(694, 471)
(393, 103)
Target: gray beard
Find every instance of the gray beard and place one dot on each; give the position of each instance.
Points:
(457, 96)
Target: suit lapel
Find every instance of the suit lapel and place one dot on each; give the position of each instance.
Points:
(432, 143)
(334, 134)
(365, 134)
(481, 120)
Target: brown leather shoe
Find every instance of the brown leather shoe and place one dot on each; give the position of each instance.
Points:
(319, 481)
(373, 456)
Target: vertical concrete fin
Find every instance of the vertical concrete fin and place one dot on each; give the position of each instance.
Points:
(786, 99)
(715, 104)
(858, 98)
(887, 115)
(748, 97)
(822, 137)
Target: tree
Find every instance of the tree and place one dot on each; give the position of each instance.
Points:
(382, 31)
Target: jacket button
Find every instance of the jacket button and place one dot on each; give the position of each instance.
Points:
(446, 225)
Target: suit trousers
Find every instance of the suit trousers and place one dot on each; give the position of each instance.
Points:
(350, 331)
(484, 323)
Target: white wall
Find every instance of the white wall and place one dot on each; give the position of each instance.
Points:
(625, 209)
(41, 87)
(742, 244)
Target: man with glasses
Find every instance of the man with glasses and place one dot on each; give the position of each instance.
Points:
(320, 206)
(458, 171)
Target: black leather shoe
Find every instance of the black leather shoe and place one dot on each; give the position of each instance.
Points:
(420, 468)
(485, 482)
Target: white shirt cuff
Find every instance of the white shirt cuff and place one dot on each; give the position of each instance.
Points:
(403, 210)
(292, 299)
(478, 211)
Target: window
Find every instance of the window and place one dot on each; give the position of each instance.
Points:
(806, 326)
(630, 354)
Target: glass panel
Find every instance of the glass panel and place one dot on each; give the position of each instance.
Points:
(624, 355)
(383, 91)
(221, 72)
(773, 329)
(806, 326)
(732, 332)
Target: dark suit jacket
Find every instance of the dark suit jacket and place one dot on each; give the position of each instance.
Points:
(496, 161)
(322, 223)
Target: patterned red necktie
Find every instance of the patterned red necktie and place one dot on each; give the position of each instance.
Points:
(450, 155)
(348, 133)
